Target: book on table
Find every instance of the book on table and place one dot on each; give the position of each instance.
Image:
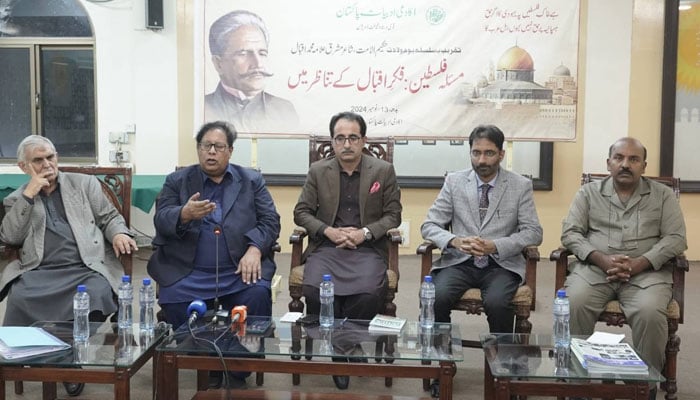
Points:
(26, 341)
(615, 358)
(386, 324)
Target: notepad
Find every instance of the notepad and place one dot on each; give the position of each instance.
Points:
(25, 341)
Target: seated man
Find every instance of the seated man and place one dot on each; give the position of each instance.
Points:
(63, 223)
(216, 225)
(482, 220)
(622, 230)
(347, 205)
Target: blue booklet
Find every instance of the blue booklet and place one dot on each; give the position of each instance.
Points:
(26, 341)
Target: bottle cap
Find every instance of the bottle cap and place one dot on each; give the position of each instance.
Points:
(428, 278)
(146, 281)
(82, 288)
(126, 278)
(327, 278)
(561, 293)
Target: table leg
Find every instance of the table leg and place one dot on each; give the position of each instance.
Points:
(49, 391)
(488, 381)
(168, 384)
(122, 389)
(2, 386)
(447, 373)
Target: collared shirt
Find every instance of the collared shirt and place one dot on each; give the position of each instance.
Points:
(650, 224)
(479, 182)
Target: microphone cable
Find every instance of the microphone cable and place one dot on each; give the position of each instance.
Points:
(217, 349)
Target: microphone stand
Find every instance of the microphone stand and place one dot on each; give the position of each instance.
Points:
(220, 316)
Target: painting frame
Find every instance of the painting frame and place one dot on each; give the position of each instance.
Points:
(667, 130)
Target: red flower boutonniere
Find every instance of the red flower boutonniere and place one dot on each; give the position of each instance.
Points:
(375, 187)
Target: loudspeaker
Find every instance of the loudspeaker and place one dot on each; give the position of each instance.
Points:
(154, 14)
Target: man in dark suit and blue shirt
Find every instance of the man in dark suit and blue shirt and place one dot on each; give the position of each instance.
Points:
(216, 225)
(482, 219)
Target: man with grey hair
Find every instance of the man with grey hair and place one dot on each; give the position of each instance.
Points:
(63, 222)
(238, 42)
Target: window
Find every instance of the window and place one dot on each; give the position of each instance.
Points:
(48, 78)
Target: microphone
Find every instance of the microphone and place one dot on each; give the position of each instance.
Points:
(239, 314)
(195, 309)
(238, 318)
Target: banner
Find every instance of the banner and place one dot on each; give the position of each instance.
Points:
(411, 68)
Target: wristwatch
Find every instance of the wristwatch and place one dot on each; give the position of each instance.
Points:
(368, 234)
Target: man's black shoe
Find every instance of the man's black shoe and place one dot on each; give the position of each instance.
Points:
(73, 389)
(435, 389)
(236, 382)
(215, 379)
(652, 393)
(341, 381)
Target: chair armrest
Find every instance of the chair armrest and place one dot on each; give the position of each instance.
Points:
(425, 250)
(680, 267)
(532, 257)
(561, 258)
(395, 239)
(296, 239)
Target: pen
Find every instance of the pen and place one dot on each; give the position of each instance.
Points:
(343, 322)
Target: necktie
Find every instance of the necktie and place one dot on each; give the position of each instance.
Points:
(484, 201)
(482, 261)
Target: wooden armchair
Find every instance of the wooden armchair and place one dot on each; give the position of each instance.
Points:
(471, 302)
(613, 315)
(116, 185)
(320, 147)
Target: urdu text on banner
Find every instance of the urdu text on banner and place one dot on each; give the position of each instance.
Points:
(410, 68)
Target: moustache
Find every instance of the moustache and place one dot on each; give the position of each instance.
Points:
(258, 72)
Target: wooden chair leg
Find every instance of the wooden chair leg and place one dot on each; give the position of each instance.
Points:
(670, 369)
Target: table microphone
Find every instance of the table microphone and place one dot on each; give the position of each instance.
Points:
(239, 314)
(195, 309)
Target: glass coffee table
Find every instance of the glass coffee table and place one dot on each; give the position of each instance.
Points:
(285, 347)
(521, 364)
(110, 356)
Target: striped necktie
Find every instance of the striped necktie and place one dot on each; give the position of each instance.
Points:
(482, 261)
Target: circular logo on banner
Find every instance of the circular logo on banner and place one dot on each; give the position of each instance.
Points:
(435, 15)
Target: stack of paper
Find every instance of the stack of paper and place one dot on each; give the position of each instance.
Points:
(386, 324)
(19, 342)
(614, 358)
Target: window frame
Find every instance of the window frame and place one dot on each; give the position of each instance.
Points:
(36, 45)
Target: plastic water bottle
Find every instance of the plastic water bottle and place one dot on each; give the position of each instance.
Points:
(81, 310)
(126, 296)
(327, 293)
(562, 335)
(427, 303)
(147, 298)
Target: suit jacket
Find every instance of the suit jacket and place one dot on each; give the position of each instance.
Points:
(511, 220)
(264, 113)
(380, 208)
(249, 216)
(92, 218)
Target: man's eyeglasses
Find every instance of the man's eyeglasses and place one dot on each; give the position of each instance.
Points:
(487, 153)
(340, 140)
(219, 147)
